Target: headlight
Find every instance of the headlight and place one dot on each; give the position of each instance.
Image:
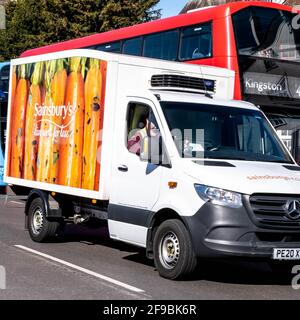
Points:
(219, 196)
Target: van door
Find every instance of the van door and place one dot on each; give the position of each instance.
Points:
(135, 183)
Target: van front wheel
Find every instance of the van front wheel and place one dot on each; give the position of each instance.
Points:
(174, 255)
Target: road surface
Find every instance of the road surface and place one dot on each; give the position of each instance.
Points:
(85, 264)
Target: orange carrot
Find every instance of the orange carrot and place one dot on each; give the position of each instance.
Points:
(42, 170)
(13, 85)
(17, 125)
(70, 152)
(93, 93)
(48, 154)
(103, 70)
(14, 81)
(58, 88)
(32, 125)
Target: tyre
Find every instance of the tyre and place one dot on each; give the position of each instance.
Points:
(40, 229)
(174, 255)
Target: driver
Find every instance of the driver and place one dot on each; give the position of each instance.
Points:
(147, 128)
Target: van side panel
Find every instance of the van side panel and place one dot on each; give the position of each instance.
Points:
(55, 136)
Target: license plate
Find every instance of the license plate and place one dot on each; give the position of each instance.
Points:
(286, 254)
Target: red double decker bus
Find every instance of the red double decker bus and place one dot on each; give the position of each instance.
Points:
(260, 41)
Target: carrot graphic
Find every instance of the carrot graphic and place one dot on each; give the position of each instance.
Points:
(14, 80)
(103, 69)
(93, 92)
(32, 123)
(43, 158)
(58, 88)
(17, 125)
(13, 85)
(48, 154)
(70, 152)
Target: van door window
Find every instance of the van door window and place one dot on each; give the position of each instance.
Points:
(141, 123)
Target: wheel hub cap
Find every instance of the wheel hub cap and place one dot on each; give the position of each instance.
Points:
(169, 250)
(37, 221)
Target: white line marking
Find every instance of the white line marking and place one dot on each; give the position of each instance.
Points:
(17, 202)
(92, 273)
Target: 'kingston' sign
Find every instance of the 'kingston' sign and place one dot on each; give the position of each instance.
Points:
(271, 85)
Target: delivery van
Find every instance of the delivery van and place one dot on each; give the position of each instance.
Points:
(157, 149)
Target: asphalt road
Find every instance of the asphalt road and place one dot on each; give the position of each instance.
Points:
(86, 264)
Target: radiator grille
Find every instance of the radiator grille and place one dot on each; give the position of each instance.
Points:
(270, 210)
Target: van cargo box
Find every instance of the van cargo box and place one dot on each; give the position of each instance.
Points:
(61, 113)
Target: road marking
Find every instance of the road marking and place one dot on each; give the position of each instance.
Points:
(89, 272)
(17, 202)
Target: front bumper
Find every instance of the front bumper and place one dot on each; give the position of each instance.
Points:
(218, 231)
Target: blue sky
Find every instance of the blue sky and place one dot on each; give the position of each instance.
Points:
(171, 7)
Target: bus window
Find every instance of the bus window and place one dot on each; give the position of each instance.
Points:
(2, 134)
(2, 184)
(133, 46)
(4, 76)
(269, 33)
(109, 47)
(3, 108)
(162, 45)
(196, 42)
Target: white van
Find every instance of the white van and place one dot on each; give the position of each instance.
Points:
(159, 150)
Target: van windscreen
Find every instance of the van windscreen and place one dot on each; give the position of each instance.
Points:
(218, 132)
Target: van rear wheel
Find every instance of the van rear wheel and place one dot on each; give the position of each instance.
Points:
(174, 255)
(39, 227)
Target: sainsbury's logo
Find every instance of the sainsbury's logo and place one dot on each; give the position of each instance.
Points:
(54, 111)
(55, 117)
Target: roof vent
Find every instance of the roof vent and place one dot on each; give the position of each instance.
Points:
(178, 82)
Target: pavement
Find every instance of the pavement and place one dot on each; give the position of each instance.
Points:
(85, 264)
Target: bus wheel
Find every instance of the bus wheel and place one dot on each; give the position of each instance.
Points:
(174, 255)
(40, 229)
